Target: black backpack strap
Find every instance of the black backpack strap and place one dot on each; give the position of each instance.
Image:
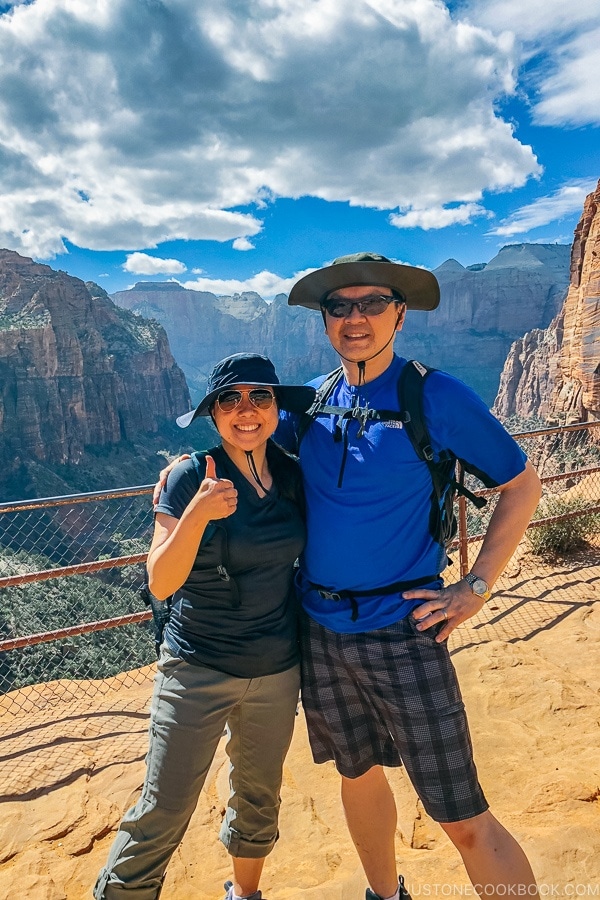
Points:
(442, 521)
(410, 396)
(198, 458)
(318, 405)
(161, 609)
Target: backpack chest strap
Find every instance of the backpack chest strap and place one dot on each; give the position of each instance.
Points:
(363, 414)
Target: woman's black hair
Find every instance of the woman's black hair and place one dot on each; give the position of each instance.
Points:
(286, 474)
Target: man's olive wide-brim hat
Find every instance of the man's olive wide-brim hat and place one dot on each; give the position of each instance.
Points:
(419, 287)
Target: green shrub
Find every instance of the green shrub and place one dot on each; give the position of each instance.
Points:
(560, 538)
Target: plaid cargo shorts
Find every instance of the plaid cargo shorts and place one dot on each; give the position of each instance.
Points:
(391, 697)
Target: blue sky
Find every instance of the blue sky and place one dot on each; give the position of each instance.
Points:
(236, 144)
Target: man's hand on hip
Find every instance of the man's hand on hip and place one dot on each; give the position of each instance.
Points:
(452, 605)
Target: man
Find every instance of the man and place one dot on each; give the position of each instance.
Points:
(378, 685)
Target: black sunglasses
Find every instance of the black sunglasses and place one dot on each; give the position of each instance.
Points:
(261, 398)
(368, 306)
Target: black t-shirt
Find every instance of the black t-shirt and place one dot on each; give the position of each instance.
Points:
(236, 611)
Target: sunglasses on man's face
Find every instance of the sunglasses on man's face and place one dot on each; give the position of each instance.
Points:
(368, 306)
(258, 397)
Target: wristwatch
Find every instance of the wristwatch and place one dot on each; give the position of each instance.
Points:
(478, 586)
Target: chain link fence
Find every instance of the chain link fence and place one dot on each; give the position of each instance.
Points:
(71, 587)
(567, 460)
(72, 614)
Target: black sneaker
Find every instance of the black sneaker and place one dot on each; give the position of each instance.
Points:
(404, 895)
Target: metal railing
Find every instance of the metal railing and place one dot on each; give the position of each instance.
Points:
(72, 574)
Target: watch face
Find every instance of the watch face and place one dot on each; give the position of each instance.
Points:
(478, 585)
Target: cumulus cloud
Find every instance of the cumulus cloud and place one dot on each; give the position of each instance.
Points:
(123, 125)
(243, 244)
(570, 95)
(563, 202)
(438, 216)
(144, 264)
(267, 284)
(562, 44)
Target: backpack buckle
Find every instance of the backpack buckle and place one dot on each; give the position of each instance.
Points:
(328, 595)
(223, 573)
(362, 415)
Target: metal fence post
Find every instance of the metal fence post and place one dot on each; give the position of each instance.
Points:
(463, 545)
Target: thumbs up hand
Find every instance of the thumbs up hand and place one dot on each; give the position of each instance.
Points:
(216, 496)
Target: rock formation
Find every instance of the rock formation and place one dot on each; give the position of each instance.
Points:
(529, 374)
(483, 309)
(576, 396)
(76, 370)
(203, 328)
(555, 374)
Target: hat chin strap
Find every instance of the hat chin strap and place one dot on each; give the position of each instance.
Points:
(254, 470)
(362, 365)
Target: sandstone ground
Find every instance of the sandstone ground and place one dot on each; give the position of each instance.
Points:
(72, 761)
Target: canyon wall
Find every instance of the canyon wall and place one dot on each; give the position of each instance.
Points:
(554, 374)
(76, 370)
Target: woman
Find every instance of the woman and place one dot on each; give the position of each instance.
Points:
(228, 529)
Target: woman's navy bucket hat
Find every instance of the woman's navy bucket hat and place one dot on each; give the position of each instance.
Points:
(255, 370)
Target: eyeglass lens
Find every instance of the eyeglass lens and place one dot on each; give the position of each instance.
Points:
(369, 306)
(258, 397)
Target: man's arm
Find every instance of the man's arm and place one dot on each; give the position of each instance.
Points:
(457, 603)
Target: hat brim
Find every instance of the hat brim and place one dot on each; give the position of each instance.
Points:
(292, 398)
(418, 286)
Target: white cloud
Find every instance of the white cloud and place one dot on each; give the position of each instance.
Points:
(125, 125)
(536, 19)
(563, 202)
(267, 284)
(438, 217)
(143, 264)
(571, 94)
(562, 43)
(243, 244)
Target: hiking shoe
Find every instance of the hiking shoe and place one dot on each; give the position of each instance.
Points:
(229, 888)
(403, 893)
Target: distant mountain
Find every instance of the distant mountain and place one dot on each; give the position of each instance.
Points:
(554, 373)
(78, 376)
(203, 328)
(483, 309)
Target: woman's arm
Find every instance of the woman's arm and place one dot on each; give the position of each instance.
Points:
(175, 542)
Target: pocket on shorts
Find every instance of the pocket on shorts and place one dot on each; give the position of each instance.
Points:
(429, 633)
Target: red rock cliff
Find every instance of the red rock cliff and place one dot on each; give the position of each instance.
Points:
(576, 395)
(75, 370)
(555, 373)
